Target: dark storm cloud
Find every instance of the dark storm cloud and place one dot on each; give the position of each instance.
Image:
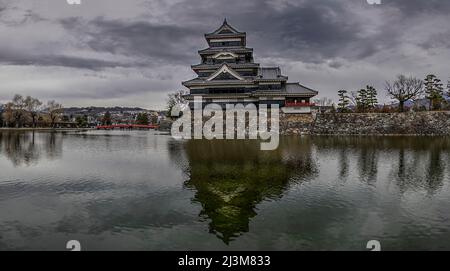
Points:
(309, 31)
(146, 41)
(149, 45)
(414, 7)
(3, 7)
(56, 60)
(437, 41)
(315, 30)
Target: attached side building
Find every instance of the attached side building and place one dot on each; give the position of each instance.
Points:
(228, 74)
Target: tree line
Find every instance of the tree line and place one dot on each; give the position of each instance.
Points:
(30, 112)
(403, 89)
(141, 119)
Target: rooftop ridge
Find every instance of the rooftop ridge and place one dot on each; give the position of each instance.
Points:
(225, 26)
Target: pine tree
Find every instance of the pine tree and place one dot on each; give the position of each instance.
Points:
(434, 90)
(362, 101)
(372, 99)
(448, 88)
(343, 101)
(429, 88)
(439, 93)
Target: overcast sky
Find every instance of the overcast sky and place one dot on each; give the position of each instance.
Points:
(134, 52)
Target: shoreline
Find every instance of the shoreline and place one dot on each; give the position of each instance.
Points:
(46, 129)
(281, 134)
(376, 135)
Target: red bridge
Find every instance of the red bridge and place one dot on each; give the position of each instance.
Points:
(126, 126)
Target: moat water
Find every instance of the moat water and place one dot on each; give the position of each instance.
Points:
(140, 190)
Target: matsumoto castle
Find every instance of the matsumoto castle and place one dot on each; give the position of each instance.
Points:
(228, 75)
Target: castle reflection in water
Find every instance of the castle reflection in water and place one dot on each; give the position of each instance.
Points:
(230, 178)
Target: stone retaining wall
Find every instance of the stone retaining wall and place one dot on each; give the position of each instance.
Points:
(411, 123)
(296, 124)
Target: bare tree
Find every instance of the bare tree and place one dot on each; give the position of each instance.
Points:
(54, 111)
(176, 99)
(8, 115)
(18, 107)
(404, 89)
(354, 98)
(33, 106)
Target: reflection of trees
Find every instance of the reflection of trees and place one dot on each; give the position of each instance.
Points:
(20, 148)
(368, 165)
(53, 144)
(401, 165)
(436, 168)
(421, 168)
(418, 162)
(232, 177)
(366, 150)
(343, 164)
(27, 148)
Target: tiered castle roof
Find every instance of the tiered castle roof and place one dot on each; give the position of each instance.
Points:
(228, 62)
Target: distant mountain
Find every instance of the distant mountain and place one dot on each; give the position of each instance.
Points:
(97, 109)
(423, 102)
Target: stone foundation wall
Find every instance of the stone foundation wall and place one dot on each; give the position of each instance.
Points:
(411, 123)
(296, 124)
